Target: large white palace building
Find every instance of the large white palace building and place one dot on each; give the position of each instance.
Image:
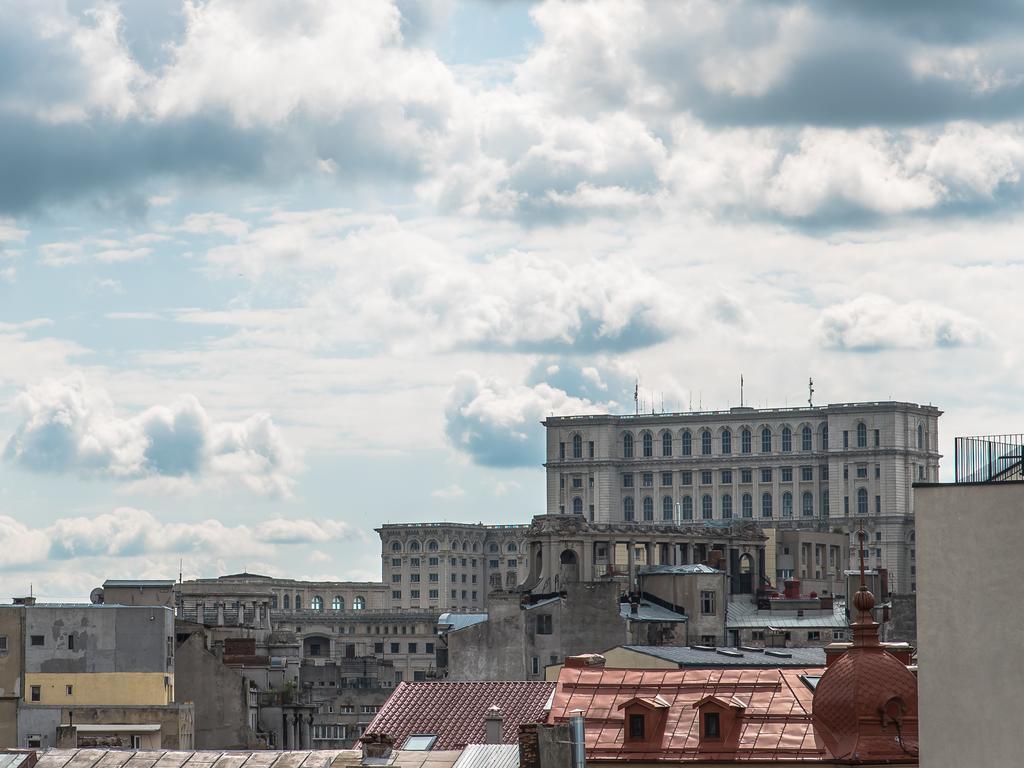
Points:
(824, 468)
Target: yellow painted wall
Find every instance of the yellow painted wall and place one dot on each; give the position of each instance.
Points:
(619, 658)
(110, 688)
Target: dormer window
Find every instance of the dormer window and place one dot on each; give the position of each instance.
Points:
(644, 721)
(636, 726)
(712, 726)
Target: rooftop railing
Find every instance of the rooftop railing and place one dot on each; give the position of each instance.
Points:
(989, 458)
(740, 410)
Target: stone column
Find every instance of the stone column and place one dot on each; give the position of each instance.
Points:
(307, 731)
(295, 731)
(220, 614)
(631, 559)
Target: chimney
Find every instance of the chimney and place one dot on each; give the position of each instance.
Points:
(493, 720)
(792, 589)
(634, 607)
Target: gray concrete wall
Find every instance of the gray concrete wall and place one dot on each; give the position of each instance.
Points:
(219, 695)
(106, 638)
(969, 544)
(176, 721)
(903, 625)
(11, 619)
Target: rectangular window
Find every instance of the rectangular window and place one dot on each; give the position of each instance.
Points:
(878, 438)
(636, 726)
(414, 578)
(396, 578)
(862, 471)
(846, 471)
(535, 665)
(806, 474)
(666, 478)
(71, 642)
(686, 478)
(878, 505)
(561, 450)
(766, 475)
(846, 505)
(463, 594)
(414, 562)
(757, 634)
(69, 690)
(396, 562)
(705, 477)
(428, 647)
(433, 563)
(787, 474)
(36, 693)
(512, 560)
(707, 603)
(823, 471)
(544, 624)
(412, 647)
(474, 591)
(3, 643)
(395, 647)
(455, 592)
(396, 594)
(433, 594)
(492, 563)
(38, 640)
(726, 477)
(577, 482)
(378, 647)
(712, 726)
(627, 480)
(591, 448)
(846, 439)
(814, 635)
(648, 478)
(414, 594)
(746, 475)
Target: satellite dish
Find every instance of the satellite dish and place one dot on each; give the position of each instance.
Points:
(96, 596)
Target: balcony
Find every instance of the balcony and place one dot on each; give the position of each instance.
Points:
(989, 458)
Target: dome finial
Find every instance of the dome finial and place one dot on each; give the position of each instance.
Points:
(865, 630)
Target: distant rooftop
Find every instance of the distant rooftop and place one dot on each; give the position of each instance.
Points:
(704, 657)
(650, 612)
(743, 615)
(688, 568)
(455, 621)
(738, 412)
(161, 583)
(126, 758)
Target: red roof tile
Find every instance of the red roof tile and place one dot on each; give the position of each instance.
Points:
(455, 711)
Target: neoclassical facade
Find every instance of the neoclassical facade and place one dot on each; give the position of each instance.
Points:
(817, 467)
(449, 566)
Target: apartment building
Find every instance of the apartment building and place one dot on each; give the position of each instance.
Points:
(820, 468)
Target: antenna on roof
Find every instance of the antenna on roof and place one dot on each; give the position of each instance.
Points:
(810, 392)
(741, 390)
(180, 562)
(636, 396)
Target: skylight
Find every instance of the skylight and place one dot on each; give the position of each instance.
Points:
(811, 681)
(420, 742)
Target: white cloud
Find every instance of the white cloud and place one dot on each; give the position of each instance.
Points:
(448, 493)
(875, 322)
(66, 426)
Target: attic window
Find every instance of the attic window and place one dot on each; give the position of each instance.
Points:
(712, 726)
(636, 726)
(420, 742)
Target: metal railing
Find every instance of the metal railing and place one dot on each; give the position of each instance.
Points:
(989, 458)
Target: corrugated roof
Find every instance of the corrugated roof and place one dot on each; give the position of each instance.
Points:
(696, 658)
(457, 621)
(455, 711)
(776, 724)
(115, 758)
(649, 612)
(688, 568)
(489, 756)
(741, 615)
(13, 759)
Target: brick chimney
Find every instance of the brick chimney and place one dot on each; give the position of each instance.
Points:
(494, 720)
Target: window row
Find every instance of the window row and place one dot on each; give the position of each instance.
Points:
(433, 546)
(766, 441)
(725, 476)
(316, 603)
(684, 509)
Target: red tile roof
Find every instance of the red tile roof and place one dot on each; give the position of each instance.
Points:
(455, 711)
(775, 724)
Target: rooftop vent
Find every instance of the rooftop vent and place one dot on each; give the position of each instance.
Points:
(726, 652)
(778, 654)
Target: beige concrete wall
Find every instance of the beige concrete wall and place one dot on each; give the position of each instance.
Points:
(970, 541)
(619, 658)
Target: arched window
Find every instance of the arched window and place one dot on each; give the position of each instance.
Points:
(648, 444)
(787, 504)
(747, 503)
(666, 443)
(726, 506)
(726, 442)
(648, 508)
(824, 437)
(766, 440)
(577, 506)
(862, 501)
(627, 446)
(414, 546)
(627, 508)
(298, 602)
(687, 443)
(706, 511)
(476, 546)
(432, 545)
(577, 446)
(862, 435)
(512, 547)
(273, 602)
(705, 443)
(667, 512)
(455, 546)
(687, 508)
(920, 437)
(287, 602)
(492, 547)
(766, 505)
(396, 546)
(337, 604)
(807, 509)
(805, 439)
(317, 603)
(745, 442)
(465, 546)
(787, 439)
(359, 603)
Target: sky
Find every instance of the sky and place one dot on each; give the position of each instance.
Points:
(273, 274)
